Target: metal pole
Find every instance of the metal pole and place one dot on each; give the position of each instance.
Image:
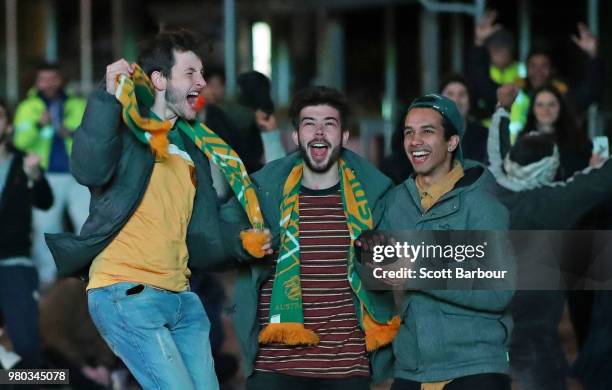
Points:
(12, 60)
(524, 29)
(593, 21)
(117, 23)
(593, 16)
(86, 49)
(229, 19)
(429, 51)
(389, 100)
(51, 31)
(457, 42)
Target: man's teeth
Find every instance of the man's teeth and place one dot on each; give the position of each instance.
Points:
(420, 153)
(193, 94)
(319, 145)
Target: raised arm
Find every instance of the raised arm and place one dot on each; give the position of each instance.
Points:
(97, 142)
(498, 143)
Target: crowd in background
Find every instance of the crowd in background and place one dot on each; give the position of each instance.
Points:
(44, 321)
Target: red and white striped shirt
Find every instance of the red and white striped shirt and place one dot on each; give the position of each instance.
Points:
(327, 298)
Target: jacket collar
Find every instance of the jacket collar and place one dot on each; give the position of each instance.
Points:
(475, 175)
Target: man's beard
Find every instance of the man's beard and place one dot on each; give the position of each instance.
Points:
(334, 156)
(176, 101)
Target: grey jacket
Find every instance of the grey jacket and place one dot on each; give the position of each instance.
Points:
(447, 334)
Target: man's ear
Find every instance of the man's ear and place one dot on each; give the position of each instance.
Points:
(345, 136)
(159, 80)
(452, 143)
(295, 138)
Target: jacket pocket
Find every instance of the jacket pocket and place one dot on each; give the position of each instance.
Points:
(474, 335)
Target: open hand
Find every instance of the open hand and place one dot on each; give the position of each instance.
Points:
(585, 40)
(485, 27)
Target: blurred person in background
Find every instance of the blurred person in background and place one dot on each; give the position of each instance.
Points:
(44, 125)
(214, 93)
(491, 62)
(484, 73)
(253, 114)
(549, 114)
(474, 141)
(22, 186)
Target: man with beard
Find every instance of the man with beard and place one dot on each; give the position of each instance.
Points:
(153, 210)
(449, 339)
(302, 317)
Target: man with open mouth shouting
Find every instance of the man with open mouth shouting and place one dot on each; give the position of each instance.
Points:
(302, 317)
(154, 213)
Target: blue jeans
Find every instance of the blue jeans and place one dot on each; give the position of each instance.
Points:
(161, 336)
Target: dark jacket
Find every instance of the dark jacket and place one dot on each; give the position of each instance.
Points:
(116, 167)
(474, 142)
(16, 201)
(447, 334)
(253, 273)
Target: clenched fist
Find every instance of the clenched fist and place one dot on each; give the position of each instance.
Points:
(113, 71)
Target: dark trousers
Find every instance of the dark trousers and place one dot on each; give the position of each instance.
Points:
(471, 382)
(18, 284)
(273, 381)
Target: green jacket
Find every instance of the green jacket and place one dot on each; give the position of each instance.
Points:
(446, 334)
(253, 273)
(116, 167)
(29, 137)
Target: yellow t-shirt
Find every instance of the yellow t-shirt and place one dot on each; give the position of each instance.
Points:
(151, 247)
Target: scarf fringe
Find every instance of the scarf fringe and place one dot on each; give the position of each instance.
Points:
(288, 333)
(378, 335)
(253, 240)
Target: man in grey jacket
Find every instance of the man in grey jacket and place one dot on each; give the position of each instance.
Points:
(448, 339)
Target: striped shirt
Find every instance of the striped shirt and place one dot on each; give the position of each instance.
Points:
(326, 297)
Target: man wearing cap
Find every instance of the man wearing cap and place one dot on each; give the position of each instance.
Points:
(448, 339)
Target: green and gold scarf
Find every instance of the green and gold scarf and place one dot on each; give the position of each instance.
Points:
(286, 315)
(138, 89)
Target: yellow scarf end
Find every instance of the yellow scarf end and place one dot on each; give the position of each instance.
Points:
(288, 333)
(253, 240)
(378, 335)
